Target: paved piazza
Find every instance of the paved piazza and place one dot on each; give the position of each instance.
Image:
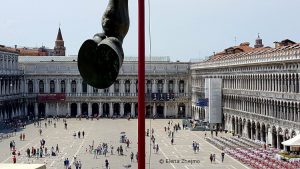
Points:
(108, 131)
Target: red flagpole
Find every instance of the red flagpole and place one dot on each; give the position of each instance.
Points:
(141, 84)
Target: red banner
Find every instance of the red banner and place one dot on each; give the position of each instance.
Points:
(55, 97)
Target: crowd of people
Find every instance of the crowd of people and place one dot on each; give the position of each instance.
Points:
(100, 150)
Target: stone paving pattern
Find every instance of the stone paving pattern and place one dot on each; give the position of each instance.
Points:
(108, 131)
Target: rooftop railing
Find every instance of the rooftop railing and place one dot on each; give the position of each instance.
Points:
(251, 58)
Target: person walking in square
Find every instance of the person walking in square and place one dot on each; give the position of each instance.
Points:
(106, 164)
(222, 155)
(211, 158)
(79, 165)
(57, 149)
(14, 159)
(131, 156)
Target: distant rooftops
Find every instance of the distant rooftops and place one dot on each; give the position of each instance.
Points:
(7, 49)
(73, 58)
(244, 49)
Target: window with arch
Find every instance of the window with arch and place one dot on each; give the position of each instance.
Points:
(84, 87)
(117, 87)
(127, 86)
(160, 86)
(52, 86)
(181, 86)
(73, 86)
(63, 86)
(149, 86)
(30, 86)
(41, 86)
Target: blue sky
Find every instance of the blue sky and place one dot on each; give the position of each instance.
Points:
(181, 29)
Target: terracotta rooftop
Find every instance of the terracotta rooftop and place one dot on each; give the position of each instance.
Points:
(245, 50)
(8, 49)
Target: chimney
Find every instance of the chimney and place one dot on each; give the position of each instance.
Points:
(16, 46)
(277, 44)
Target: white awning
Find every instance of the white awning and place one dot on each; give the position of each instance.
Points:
(23, 166)
(295, 141)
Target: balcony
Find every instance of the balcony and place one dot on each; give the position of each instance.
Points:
(11, 97)
(264, 94)
(58, 97)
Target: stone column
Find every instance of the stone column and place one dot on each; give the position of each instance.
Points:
(188, 109)
(100, 109)
(2, 87)
(89, 108)
(122, 87)
(57, 108)
(111, 111)
(78, 87)
(186, 87)
(261, 134)
(132, 109)
(132, 87)
(269, 85)
(278, 144)
(253, 82)
(165, 87)
(292, 84)
(251, 132)
(176, 91)
(79, 109)
(282, 83)
(298, 82)
(275, 81)
(68, 109)
(165, 110)
(68, 86)
(154, 86)
(176, 110)
(236, 126)
(57, 86)
(122, 109)
(36, 110)
(298, 105)
(154, 109)
(46, 86)
(46, 109)
(289, 83)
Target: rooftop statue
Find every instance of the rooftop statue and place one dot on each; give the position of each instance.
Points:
(100, 58)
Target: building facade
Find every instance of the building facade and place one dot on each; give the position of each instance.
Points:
(60, 90)
(260, 91)
(12, 100)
